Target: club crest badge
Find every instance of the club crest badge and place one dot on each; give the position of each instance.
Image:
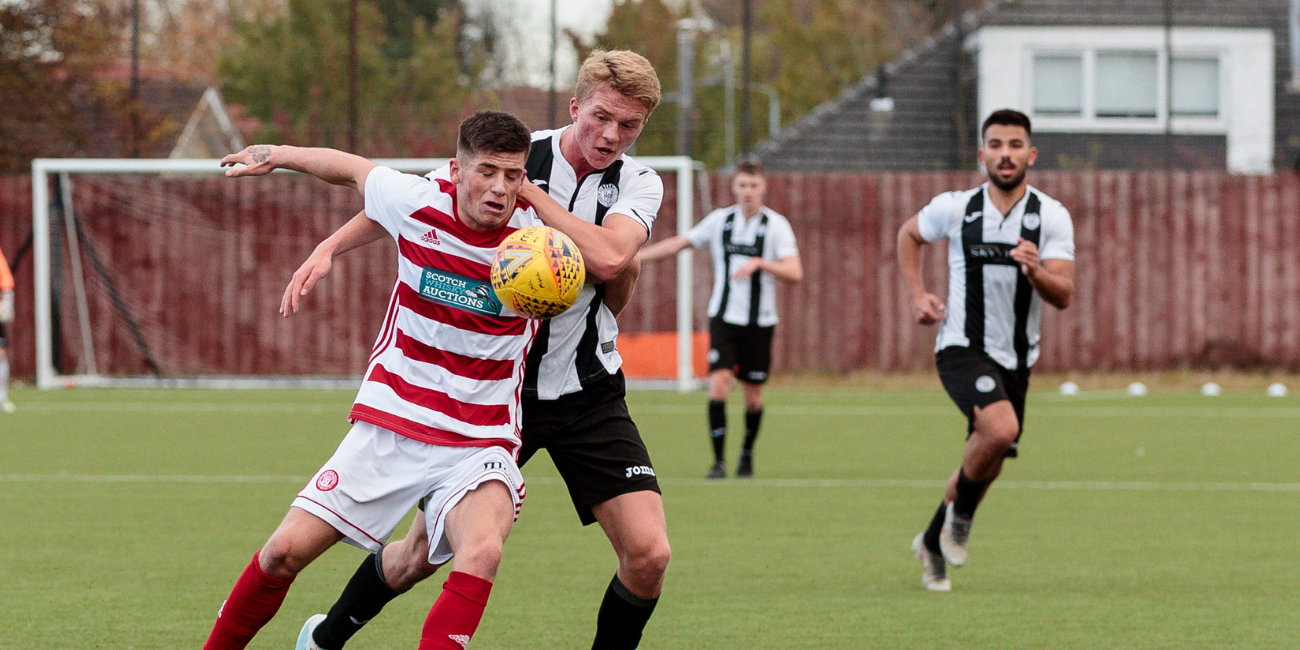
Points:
(985, 384)
(1032, 221)
(327, 480)
(607, 194)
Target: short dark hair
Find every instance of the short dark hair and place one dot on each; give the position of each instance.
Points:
(1006, 117)
(751, 168)
(492, 132)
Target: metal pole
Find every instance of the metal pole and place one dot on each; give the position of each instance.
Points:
(550, 108)
(1295, 45)
(41, 271)
(729, 99)
(685, 84)
(135, 78)
(685, 293)
(1169, 86)
(352, 76)
(746, 30)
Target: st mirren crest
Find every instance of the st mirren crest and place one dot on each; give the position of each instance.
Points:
(607, 194)
(1032, 221)
(431, 238)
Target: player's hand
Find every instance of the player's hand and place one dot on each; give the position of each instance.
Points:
(317, 266)
(257, 160)
(529, 193)
(1026, 254)
(747, 269)
(927, 309)
(7, 306)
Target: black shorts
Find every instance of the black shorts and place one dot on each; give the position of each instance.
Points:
(4, 340)
(974, 379)
(592, 441)
(744, 349)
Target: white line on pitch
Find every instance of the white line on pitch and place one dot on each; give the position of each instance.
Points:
(693, 482)
(1054, 408)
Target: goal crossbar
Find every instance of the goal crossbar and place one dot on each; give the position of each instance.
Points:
(47, 376)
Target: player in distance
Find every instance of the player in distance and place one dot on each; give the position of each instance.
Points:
(574, 402)
(1011, 247)
(436, 419)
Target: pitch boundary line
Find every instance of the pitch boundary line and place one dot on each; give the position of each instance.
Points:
(1146, 486)
(1052, 408)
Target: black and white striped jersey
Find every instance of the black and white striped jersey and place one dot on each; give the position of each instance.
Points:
(580, 346)
(733, 240)
(991, 305)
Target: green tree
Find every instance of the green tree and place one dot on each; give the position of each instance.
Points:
(290, 71)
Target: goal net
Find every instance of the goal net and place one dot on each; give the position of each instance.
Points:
(162, 272)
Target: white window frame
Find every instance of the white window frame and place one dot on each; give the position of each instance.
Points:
(1246, 81)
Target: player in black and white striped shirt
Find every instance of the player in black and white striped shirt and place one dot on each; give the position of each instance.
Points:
(1010, 248)
(752, 246)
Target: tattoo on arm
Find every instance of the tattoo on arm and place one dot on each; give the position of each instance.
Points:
(260, 154)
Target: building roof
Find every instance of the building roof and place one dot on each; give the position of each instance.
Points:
(932, 87)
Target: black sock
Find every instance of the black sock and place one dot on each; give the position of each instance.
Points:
(931, 537)
(718, 427)
(363, 598)
(969, 494)
(622, 618)
(752, 420)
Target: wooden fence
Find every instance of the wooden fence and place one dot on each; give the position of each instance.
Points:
(1178, 270)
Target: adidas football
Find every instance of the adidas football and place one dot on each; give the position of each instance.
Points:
(538, 272)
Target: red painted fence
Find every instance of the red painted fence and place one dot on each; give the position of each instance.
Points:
(1174, 271)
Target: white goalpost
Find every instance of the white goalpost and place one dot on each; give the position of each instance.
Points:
(89, 373)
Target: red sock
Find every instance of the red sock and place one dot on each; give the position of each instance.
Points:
(456, 613)
(254, 600)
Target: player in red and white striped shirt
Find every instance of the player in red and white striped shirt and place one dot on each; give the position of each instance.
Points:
(437, 418)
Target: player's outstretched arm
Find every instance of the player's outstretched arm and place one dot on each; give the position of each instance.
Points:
(606, 249)
(618, 291)
(662, 249)
(357, 232)
(330, 165)
(926, 307)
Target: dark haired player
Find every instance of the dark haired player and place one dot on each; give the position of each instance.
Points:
(437, 417)
(1010, 247)
(752, 246)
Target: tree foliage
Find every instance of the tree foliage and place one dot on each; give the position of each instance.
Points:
(417, 70)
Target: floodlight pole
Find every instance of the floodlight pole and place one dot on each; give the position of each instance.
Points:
(746, 30)
(685, 83)
(550, 104)
(352, 76)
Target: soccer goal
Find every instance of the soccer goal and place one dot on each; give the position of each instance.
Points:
(163, 273)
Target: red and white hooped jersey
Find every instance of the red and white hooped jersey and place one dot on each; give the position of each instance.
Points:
(448, 366)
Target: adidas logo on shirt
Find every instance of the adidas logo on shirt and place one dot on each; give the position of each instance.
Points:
(431, 237)
(462, 639)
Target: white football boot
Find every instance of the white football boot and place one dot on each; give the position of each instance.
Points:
(934, 573)
(305, 640)
(954, 537)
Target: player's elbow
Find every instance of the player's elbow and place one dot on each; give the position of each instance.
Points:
(604, 267)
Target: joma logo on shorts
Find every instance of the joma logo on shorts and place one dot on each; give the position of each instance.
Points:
(494, 464)
(640, 470)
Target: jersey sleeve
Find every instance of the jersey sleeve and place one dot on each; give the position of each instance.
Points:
(783, 245)
(1058, 234)
(936, 220)
(701, 233)
(389, 197)
(640, 199)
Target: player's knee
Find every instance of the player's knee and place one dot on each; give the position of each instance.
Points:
(279, 559)
(410, 567)
(649, 562)
(1001, 435)
(480, 557)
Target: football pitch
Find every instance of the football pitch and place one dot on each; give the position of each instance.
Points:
(1165, 521)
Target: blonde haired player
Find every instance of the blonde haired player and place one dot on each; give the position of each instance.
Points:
(574, 395)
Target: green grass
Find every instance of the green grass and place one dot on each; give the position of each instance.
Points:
(1161, 522)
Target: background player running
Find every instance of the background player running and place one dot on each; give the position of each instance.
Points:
(1010, 247)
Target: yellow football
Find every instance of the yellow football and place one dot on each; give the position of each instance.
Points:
(538, 272)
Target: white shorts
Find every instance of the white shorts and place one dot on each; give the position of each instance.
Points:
(376, 477)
